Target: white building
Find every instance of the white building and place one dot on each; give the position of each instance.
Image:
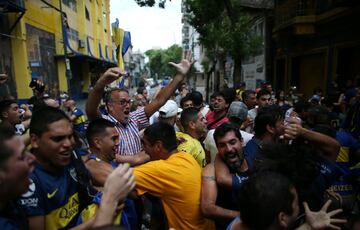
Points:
(190, 42)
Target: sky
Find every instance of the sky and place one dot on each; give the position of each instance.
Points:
(150, 27)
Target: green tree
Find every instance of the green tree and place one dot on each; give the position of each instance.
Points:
(159, 59)
(151, 3)
(224, 29)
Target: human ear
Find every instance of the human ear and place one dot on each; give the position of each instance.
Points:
(34, 140)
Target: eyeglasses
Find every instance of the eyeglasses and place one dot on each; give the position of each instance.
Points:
(121, 102)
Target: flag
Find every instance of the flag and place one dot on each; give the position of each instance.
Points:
(118, 35)
(126, 42)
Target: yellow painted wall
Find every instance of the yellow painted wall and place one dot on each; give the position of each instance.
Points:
(19, 55)
(63, 86)
(41, 16)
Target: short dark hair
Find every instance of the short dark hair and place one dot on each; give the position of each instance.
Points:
(197, 98)
(44, 116)
(214, 95)
(108, 94)
(247, 94)
(301, 106)
(5, 105)
(267, 116)
(188, 115)
(262, 92)
(186, 98)
(140, 90)
(6, 133)
(163, 132)
(318, 115)
(263, 197)
(229, 95)
(299, 162)
(97, 127)
(224, 128)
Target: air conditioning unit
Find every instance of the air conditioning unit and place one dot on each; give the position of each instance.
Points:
(81, 43)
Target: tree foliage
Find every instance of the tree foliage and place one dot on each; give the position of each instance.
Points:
(151, 3)
(224, 28)
(159, 59)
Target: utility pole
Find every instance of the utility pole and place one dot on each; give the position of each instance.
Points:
(66, 60)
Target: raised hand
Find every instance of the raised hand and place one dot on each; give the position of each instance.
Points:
(322, 219)
(293, 128)
(111, 75)
(185, 65)
(119, 183)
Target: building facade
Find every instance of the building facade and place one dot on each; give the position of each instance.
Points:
(64, 43)
(190, 42)
(316, 43)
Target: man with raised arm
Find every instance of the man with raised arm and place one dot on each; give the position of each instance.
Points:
(118, 105)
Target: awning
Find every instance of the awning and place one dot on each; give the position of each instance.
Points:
(88, 58)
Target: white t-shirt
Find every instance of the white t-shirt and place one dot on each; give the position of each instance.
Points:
(210, 145)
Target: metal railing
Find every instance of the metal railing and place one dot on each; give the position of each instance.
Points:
(12, 5)
(287, 10)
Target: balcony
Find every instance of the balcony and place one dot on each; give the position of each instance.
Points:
(15, 7)
(303, 14)
(12, 6)
(298, 13)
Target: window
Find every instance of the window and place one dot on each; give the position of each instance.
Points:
(71, 4)
(73, 34)
(87, 14)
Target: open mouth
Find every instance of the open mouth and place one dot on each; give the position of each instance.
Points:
(66, 154)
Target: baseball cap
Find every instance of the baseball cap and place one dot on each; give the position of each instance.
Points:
(237, 109)
(170, 109)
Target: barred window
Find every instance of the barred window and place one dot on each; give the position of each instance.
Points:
(71, 4)
(73, 34)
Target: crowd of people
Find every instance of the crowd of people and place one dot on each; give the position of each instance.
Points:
(249, 160)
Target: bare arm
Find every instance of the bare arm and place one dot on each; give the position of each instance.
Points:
(182, 69)
(26, 123)
(94, 98)
(209, 195)
(26, 138)
(328, 145)
(99, 172)
(222, 173)
(36, 223)
(135, 160)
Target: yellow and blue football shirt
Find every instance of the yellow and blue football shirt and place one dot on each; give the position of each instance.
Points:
(53, 195)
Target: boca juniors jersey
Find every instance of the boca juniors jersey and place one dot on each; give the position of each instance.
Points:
(53, 195)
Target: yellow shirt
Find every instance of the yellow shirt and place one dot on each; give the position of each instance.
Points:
(177, 182)
(192, 146)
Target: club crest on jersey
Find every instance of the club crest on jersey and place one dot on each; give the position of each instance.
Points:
(73, 174)
(31, 189)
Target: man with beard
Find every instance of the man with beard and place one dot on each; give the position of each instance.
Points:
(194, 125)
(269, 126)
(220, 203)
(218, 115)
(129, 124)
